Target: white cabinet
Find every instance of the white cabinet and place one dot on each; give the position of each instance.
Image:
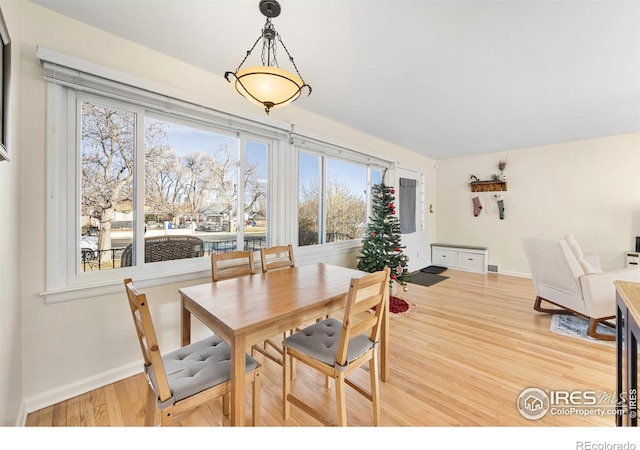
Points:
(471, 259)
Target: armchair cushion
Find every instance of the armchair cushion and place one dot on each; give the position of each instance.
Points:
(589, 262)
(599, 291)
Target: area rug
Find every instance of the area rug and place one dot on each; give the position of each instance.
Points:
(426, 279)
(399, 307)
(433, 269)
(576, 327)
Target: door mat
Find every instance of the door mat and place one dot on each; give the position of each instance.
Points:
(426, 279)
(433, 269)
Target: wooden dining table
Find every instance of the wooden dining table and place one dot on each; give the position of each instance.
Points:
(247, 310)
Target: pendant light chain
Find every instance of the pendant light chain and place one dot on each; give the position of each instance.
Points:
(291, 59)
(248, 53)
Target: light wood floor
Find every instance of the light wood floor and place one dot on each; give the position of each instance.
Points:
(462, 360)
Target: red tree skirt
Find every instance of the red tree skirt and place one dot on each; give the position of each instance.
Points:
(400, 308)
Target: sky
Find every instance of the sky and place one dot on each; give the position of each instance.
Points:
(185, 139)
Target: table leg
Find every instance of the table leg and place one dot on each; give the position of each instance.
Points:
(238, 368)
(620, 406)
(185, 323)
(632, 370)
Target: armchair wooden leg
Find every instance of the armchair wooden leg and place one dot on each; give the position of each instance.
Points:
(537, 306)
(593, 330)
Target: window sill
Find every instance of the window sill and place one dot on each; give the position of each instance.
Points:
(112, 286)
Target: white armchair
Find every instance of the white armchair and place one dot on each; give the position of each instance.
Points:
(572, 280)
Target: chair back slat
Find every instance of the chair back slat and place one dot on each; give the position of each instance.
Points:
(365, 293)
(147, 337)
(277, 257)
(232, 264)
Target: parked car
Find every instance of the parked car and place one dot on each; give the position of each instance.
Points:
(89, 248)
(209, 226)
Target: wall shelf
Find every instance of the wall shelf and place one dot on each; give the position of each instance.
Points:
(488, 186)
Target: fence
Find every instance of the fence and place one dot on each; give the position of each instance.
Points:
(92, 261)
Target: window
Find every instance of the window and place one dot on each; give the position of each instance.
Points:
(191, 189)
(148, 186)
(332, 198)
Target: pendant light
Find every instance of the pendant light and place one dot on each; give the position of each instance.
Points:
(268, 85)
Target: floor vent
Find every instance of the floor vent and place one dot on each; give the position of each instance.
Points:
(492, 268)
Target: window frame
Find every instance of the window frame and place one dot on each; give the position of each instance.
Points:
(327, 152)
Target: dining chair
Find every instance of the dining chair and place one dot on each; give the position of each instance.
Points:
(336, 348)
(233, 264)
(188, 377)
(277, 257)
(274, 258)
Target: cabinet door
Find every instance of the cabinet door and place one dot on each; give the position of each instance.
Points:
(471, 261)
(443, 257)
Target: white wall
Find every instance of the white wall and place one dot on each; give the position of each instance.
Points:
(79, 345)
(587, 188)
(10, 300)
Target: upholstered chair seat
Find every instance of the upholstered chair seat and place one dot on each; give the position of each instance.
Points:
(197, 367)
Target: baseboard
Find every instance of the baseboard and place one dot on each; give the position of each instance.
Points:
(515, 274)
(62, 393)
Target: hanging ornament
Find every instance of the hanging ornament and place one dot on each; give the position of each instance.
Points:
(393, 276)
(391, 205)
(397, 249)
(399, 269)
(406, 258)
(393, 212)
(393, 191)
(374, 234)
(386, 220)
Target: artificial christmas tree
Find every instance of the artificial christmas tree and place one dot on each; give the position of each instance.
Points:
(381, 244)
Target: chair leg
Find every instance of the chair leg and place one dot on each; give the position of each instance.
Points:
(375, 388)
(167, 416)
(341, 403)
(150, 410)
(226, 404)
(286, 383)
(255, 400)
(592, 331)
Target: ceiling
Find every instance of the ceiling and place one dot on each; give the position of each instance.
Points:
(442, 78)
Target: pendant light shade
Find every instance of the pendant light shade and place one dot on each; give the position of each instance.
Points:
(268, 85)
